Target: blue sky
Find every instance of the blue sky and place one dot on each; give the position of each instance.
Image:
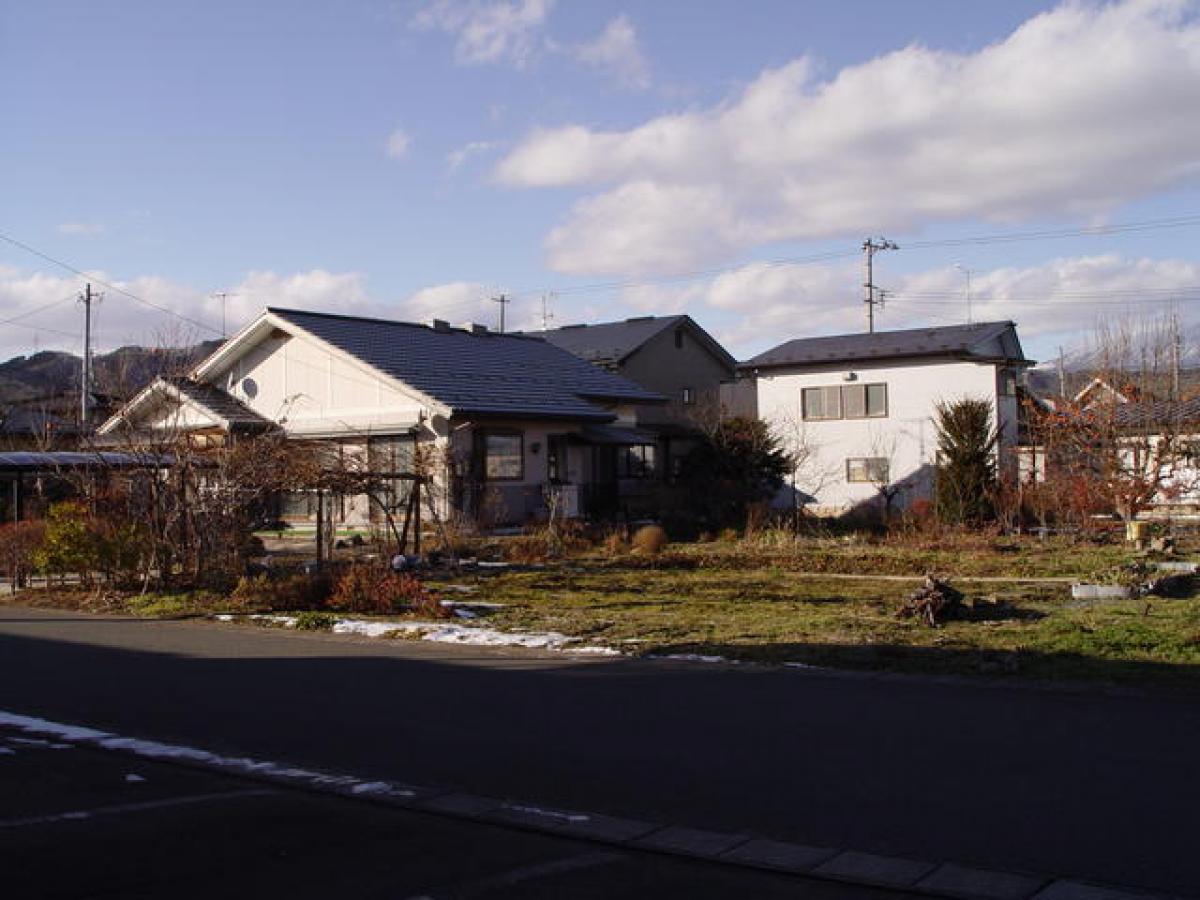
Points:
(410, 159)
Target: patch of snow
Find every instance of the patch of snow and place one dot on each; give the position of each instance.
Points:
(448, 633)
(158, 750)
(7, 751)
(463, 613)
(224, 617)
(692, 657)
(488, 637)
(593, 651)
(460, 588)
(483, 564)
(550, 813)
(38, 742)
(364, 628)
(800, 665)
(134, 779)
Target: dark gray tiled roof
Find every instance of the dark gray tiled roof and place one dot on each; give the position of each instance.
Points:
(219, 403)
(609, 342)
(950, 340)
(476, 374)
(1157, 413)
(27, 460)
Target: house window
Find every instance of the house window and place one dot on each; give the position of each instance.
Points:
(822, 403)
(388, 458)
(556, 459)
(1008, 382)
(504, 456)
(848, 401)
(689, 396)
(871, 469)
(637, 461)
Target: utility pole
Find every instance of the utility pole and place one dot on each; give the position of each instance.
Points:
(870, 248)
(223, 296)
(1176, 348)
(85, 381)
(546, 314)
(503, 300)
(1062, 375)
(966, 272)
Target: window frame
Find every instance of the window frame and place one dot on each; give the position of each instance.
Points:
(841, 391)
(646, 469)
(487, 454)
(689, 396)
(866, 462)
(807, 416)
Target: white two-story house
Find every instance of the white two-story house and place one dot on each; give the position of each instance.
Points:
(857, 411)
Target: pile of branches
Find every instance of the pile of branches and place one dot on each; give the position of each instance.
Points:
(934, 601)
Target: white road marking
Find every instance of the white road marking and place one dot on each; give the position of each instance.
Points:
(126, 808)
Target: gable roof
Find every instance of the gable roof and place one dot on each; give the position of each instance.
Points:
(222, 408)
(983, 341)
(611, 343)
(473, 373)
(218, 403)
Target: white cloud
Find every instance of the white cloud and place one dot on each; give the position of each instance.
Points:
(616, 51)
(488, 31)
(759, 305)
(120, 320)
(1076, 112)
(456, 301)
(81, 229)
(397, 144)
(457, 157)
(316, 289)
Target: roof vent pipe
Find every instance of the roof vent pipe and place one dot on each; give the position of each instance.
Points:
(440, 325)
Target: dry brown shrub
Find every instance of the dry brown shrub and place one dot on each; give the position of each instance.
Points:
(368, 588)
(615, 543)
(18, 542)
(527, 549)
(649, 540)
(289, 592)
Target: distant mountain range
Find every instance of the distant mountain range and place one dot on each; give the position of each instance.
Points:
(119, 374)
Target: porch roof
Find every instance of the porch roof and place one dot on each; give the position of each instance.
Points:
(612, 434)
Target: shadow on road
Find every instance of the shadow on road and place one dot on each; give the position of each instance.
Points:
(1073, 783)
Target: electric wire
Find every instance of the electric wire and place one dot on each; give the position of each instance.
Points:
(107, 284)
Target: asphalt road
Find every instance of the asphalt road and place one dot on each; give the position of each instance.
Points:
(1071, 783)
(83, 823)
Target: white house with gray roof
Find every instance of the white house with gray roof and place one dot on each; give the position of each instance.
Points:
(857, 410)
(510, 415)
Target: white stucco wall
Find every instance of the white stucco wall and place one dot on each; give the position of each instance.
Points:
(906, 436)
(317, 392)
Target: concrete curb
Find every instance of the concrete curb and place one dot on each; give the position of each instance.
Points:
(937, 879)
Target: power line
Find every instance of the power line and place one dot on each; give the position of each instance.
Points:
(107, 284)
(34, 312)
(997, 238)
